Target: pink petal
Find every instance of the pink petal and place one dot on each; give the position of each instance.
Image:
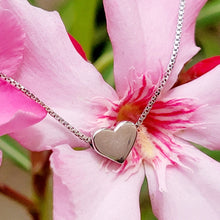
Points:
(49, 133)
(191, 193)
(198, 69)
(54, 71)
(206, 126)
(78, 47)
(11, 42)
(85, 189)
(142, 33)
(16, 110)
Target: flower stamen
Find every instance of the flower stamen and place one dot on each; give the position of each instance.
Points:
(145, 146)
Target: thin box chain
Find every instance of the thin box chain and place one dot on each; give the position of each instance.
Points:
(47, 108)
(147, 109)
(169, 67)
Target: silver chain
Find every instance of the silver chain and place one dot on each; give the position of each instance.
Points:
(17, 85)
(169, 67)
(147, 109)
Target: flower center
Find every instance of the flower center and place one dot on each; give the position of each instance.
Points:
(155, 140)
(129, 112)
(144, 146)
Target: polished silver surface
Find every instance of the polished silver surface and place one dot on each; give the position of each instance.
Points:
(115, 144)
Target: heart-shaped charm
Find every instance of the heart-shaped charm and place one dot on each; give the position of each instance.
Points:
(115, 144)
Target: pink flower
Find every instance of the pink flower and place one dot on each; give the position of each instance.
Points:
(183, 182)
(16, 110)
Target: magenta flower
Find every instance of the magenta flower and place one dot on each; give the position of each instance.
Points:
(16, 110)
(183, 182)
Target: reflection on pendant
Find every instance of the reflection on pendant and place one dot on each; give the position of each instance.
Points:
(115, 144)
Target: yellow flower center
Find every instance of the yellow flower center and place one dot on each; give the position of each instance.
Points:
(145, 146)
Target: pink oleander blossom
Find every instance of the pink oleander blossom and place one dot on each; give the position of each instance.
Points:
(183, 182)
(16, 110)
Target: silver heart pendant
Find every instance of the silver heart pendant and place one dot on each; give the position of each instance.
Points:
(115, 144)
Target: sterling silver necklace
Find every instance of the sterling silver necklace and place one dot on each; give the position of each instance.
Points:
(114, 144)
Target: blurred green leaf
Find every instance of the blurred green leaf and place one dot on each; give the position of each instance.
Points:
(104, 64)
(108, 75)
(210, 14)
(145, 205)
(101, 35)
(212, 153)
(15, 152)
(210, 43)
(32, 1)
(79, 19)
(46, 204)
(104, 61)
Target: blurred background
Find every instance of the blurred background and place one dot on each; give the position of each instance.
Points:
(85, 20)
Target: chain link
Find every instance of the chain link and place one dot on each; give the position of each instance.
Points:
(50, 111)
(147, 109)
(169, 67)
